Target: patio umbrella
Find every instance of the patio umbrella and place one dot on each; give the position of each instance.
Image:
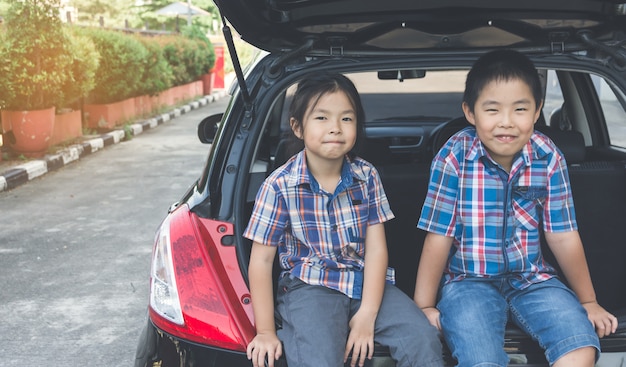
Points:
(180, 8)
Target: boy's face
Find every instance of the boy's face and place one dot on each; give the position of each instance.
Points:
(504, 116)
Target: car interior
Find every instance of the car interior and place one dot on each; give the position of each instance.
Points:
(405, 130)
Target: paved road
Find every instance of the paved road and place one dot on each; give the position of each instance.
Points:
(75, 248)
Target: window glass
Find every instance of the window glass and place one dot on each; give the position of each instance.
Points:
(614, 108)
(435, 96)
(554, 97)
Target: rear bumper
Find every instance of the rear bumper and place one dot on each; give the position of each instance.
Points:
(157, 348)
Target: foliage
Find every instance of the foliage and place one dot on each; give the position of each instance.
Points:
(187, 57)
(85, 62)
(6, 92)
(120, 73)
(157, 74)
(206, 57)
(35, 60)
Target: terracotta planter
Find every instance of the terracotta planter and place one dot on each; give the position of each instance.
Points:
(32, 130)
(109, 115)
(207, 83)
(67, 126)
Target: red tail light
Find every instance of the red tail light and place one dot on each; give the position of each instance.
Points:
(197, 290)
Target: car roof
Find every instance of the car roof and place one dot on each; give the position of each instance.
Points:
(413, 26)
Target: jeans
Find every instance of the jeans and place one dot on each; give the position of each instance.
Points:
(315, 326)
(474, 313)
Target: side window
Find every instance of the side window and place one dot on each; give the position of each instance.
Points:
(554, 96)
(613, 103)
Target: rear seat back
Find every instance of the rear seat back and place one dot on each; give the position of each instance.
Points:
(599, 192)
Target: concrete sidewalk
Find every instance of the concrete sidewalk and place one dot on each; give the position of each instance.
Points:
(12, 176)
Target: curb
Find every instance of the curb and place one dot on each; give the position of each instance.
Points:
(19, 175)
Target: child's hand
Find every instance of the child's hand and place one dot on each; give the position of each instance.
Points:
(604, 322)
(432, 314)
(264, 346)
(360, 339)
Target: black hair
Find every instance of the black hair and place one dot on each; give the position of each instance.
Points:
(501, 65)
(308, 93)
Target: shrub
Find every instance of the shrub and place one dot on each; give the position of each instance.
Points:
(206, 53)
(189, 58)
(119, 75)
(82, 75)
(35, 61)
(157, 73)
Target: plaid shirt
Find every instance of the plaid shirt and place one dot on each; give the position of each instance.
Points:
(320, 235)
(495, 217)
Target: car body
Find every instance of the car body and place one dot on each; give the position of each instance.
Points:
(409, 60)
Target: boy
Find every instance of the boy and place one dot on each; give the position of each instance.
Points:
(494, 187)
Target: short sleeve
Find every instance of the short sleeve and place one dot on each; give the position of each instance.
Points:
(269, 217)
(379, 209)
(439, 210)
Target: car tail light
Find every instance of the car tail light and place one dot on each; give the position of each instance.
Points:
(163, 291)
(197, 290)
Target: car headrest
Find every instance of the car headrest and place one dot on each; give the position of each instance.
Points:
(559, 118)
(443, 132)
(571, 143)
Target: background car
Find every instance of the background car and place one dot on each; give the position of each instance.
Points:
(409, 60)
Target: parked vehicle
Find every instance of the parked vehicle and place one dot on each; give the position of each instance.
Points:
(409, 60)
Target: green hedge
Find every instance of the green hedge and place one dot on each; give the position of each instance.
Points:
(100, 65)
(157, 73)
(82, 76)
(121, 65)
(133, 65)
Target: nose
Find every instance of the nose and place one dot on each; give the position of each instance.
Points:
(506, 121)
(335, 127)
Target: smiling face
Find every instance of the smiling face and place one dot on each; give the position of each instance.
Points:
(329, 127)
(504, 116)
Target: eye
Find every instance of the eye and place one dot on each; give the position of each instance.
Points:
(347, 119)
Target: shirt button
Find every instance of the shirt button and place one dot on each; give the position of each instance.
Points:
(334, 228)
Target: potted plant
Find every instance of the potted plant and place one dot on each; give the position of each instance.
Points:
(35, 66)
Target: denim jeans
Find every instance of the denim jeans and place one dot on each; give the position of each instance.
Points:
(315, 326)
(474, 314)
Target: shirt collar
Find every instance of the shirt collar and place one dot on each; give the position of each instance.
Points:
(536, 148)
(299, 173)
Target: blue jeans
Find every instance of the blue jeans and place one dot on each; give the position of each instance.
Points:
(315, 326)
(474, 313)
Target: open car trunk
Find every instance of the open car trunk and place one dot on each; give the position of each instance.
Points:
(408, 121)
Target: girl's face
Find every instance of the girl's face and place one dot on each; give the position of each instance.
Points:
(329, 127)
(504, 116)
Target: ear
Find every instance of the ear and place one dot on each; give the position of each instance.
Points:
(538, 111)
(296, 128)
(469, 115)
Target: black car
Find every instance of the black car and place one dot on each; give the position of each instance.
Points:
(408, 59)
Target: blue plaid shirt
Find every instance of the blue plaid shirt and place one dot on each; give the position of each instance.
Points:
(495, 217)
(320, 235)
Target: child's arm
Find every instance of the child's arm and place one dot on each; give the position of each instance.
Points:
(568, 249)
(266, 342)
(361, 337)
(432, 263)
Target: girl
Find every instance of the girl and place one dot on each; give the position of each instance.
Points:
(323, 211)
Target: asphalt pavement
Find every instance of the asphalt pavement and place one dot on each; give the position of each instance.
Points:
(76, 242)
